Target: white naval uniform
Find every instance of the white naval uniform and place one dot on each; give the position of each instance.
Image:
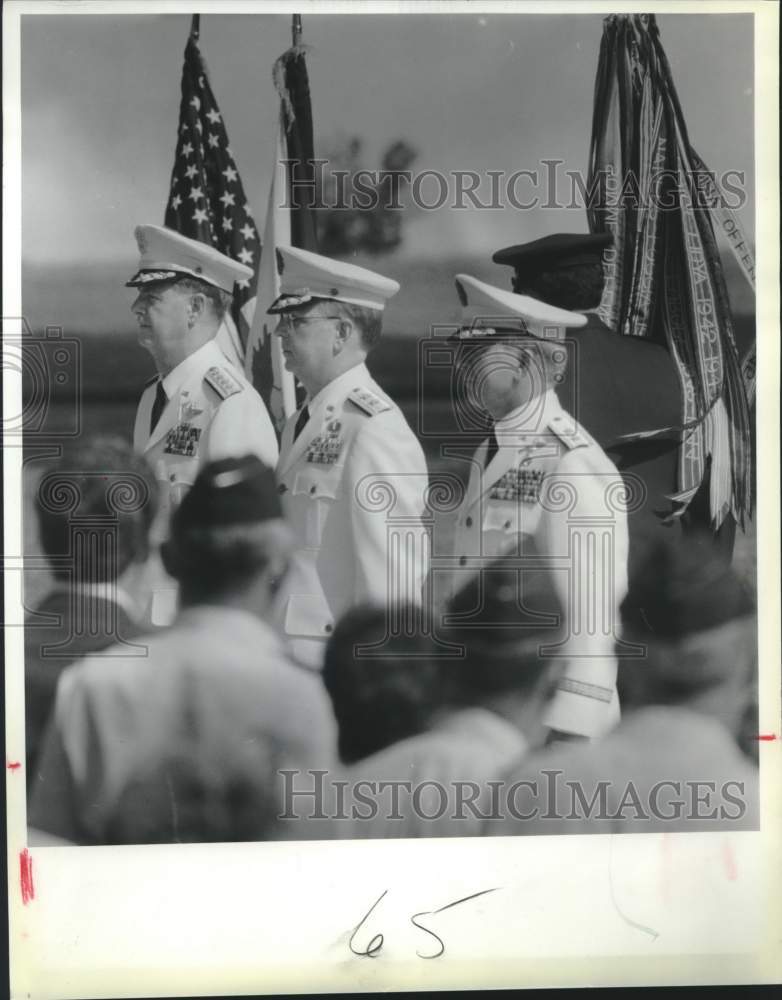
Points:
(353, 488)
(550, 481)
(212, 412)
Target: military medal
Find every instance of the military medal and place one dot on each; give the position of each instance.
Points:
(518, 484)
(326, 448)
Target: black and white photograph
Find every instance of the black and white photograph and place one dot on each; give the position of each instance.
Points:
(391, 478)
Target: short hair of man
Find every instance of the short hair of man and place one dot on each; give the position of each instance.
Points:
(368, 321)
(99, 483)
(502, 618)
(218, 299)
(384, 694)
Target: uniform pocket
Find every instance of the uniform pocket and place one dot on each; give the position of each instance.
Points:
(321, 490)
(308, 615)
(501, 515)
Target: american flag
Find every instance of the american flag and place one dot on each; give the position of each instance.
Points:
(206, 199)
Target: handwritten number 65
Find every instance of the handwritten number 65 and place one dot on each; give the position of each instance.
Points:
(376, 943)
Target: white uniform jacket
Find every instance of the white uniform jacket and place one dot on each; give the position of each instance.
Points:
(353, 487)
(212, 412)
(550, 482)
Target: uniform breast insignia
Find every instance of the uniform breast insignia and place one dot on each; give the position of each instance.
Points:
(368, 401)
(223, 383)
(183, 440)
(518, 484)
(325, 449)
(568, 432)
(188, 412)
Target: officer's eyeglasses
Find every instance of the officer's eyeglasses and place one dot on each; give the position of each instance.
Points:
(292, 323)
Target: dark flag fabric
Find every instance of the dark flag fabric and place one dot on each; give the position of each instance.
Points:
(664, 277)
(290, 219)
(206, 199)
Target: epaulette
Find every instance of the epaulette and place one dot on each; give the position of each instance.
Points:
(367, 401)
(223, 383)
(568, 433)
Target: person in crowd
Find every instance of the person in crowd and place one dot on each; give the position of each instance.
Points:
(95, 507)
(673, 762)
(199, 407)
(382, 685)
(351, 473)
(540, 477)
(186, 742)
(480, 709)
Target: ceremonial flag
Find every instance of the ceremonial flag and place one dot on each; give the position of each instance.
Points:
(290, 219)
(664, 276)
(206, 200)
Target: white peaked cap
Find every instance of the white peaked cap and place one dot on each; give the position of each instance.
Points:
(307, 276)
(166, 254)
(486, 307)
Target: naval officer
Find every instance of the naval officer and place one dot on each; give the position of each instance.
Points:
(351, 473)
(199, 407)
(541, 483)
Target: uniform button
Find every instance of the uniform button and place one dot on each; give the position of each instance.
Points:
(282, 488)
(462, 560)
(468, 522)
(172, 477)
(313, 489)
(328, 628)
(507, 524)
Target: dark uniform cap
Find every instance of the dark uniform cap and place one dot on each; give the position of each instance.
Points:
(230, 491)
(560, 250)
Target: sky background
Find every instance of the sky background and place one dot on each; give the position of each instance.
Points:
(100, 102)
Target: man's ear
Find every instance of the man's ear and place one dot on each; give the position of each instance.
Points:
(197, 306)
(345, 329)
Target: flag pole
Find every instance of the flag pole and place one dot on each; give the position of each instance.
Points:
(195, 26)
(295, 29)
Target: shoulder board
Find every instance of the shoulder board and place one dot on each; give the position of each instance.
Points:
(568, 432)
(223, 383)
(367, 401)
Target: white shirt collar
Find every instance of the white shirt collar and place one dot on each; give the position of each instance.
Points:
(531, 417)
(358, 374)
(206, 355)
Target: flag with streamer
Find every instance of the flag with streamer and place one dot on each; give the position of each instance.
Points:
(290, 219)
(206, 198)
(664, 277)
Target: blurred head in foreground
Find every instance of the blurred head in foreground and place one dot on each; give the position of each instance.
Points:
(382, 684)
(696, 620)
(95, 508)
(507, 622)
(229, 543)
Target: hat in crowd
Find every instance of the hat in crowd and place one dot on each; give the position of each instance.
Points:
(230, 491)
(306, 277)
(552, 253)
(683, 586)
(488, 310)
(166, 255)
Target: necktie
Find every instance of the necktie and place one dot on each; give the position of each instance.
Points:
(304, 416)
(158, 406)
(493, 448)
